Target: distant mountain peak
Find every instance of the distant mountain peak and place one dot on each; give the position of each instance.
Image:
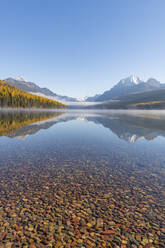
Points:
(128, 85)
(131, 80)
(20, 78)
(134, 79)
(153, 81)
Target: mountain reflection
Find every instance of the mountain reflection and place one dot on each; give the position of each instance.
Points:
(133, 127)
(21, 124)
(128, 127)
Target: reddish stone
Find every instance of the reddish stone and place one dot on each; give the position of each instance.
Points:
(104, 237)
(68, 223)
(3, 235)
(109, 232)
(17, 228)
(148, 245)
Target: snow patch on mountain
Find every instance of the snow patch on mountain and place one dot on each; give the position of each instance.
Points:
(21, 79)
(132, 80)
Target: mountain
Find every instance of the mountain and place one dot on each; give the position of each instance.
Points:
(153, 99)
(11, 96)
(127, 86)
(92, 98)
(33, 88)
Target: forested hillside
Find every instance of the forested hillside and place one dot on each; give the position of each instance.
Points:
(10, 96)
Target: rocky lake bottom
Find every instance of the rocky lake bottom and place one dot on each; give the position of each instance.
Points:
(82, 179)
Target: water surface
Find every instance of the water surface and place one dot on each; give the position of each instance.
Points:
(82, 179)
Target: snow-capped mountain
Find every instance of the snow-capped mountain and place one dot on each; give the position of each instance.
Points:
(127, 86)
(21, 78)
(33, 88)
(130, 81)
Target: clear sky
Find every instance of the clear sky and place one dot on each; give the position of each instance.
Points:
(82, 47)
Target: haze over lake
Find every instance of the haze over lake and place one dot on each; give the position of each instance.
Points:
(82, 177)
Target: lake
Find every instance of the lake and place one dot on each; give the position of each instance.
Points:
(82, 179)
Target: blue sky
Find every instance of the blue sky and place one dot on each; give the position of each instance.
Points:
(82, 47)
